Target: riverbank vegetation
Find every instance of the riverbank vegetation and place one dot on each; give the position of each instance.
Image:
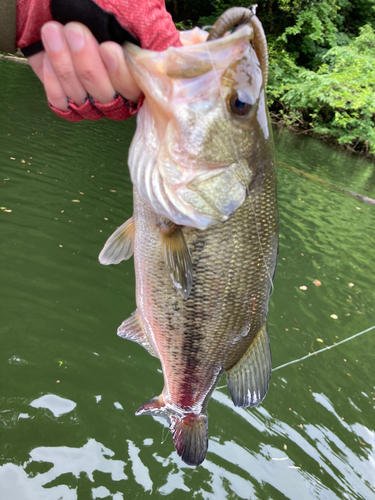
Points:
(322, 60)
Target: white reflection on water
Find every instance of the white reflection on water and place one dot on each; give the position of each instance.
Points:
(319, 443)
(57, 405)
(140, 471)
(93, 456)
(230, 470)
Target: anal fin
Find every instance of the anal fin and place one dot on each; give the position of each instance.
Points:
(119, 245)
(248, 379)
(132, 329)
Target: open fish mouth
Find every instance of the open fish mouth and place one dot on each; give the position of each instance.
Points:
(191, 156)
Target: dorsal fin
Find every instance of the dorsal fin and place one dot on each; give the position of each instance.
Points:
(177, 257)
(119, 245)
(132, 329)
(248, 379)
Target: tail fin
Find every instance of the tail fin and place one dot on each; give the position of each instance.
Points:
(189, 431)
(190, 437)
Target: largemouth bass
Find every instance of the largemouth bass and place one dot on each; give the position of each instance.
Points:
(204, 232)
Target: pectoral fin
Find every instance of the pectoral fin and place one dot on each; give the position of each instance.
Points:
(132, 329)
(177, 257)
(119, 245)
(248, 379)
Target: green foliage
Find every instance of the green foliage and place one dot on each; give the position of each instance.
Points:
(322, 55)
(314, 29)
(339, 99)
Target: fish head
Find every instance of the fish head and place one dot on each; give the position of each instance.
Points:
(203, 128)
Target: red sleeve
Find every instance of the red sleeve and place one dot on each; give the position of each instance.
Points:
(147, 20)
(31, 15)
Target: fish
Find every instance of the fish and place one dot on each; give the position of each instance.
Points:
(204, 230)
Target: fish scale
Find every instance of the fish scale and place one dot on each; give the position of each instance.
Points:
(197, 338)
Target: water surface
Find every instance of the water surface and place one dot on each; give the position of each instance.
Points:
(69, 387)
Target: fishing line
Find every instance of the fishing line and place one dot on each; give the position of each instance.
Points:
(315, 353)
(164, 434)
(322, 350)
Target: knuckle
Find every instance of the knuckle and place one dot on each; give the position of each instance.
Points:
(88, 76)
(66, 74)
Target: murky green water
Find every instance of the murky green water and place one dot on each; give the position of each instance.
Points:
(69, 386)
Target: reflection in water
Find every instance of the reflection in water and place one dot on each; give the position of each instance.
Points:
(66, 468)
(141, 474)
(58, 406)
(53, 472)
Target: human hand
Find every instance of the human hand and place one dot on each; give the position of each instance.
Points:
(74, 65)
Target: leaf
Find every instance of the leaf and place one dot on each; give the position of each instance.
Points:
(317, 283)
(303, 287)
(334, 316)
(320, 340)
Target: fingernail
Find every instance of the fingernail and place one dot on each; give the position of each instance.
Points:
(110, 60)
(52, 37)
(75, 37)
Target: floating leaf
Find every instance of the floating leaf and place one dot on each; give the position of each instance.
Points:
(351, 284)
(303, 287)
(317, 283)
(320, 340)
(334, 316)
(76, 201)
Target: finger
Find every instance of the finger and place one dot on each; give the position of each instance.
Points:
(55, 93)
(59, 56)
(36, 62)
(118, 71)
(88, 63)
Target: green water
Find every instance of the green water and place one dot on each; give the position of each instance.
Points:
(69, 387)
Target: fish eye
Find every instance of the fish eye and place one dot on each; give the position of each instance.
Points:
(239, 107)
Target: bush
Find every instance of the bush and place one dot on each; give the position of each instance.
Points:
(338, 100)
